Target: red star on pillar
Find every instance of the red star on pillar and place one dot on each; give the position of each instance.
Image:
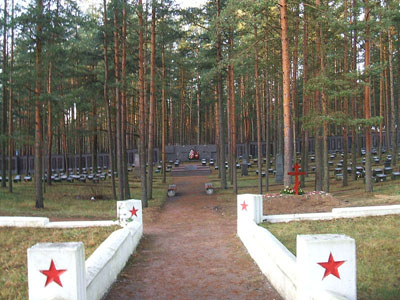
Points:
(53, 274)
(331, 267)
(133, 211)
(244, 205)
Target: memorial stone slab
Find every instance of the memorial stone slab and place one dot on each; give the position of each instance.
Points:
(279, 168)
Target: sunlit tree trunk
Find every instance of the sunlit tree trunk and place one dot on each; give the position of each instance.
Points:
(287, 165)
(152, 108)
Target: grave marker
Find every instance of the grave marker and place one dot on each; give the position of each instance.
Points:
(297, 173)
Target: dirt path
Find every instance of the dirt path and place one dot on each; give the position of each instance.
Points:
(191, 252)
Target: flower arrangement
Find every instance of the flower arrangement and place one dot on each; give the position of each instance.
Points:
(290, 191)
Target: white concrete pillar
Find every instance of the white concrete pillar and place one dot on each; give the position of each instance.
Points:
(128, 211)
(56, 271)
(326, 264)
(250, 206)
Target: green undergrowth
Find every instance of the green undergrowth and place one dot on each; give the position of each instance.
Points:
(378, 250)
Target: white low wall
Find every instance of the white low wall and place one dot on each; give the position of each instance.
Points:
(104, 265)
(41, 222)
(99, 271)
(275, 261)
(337, 213)
(23, 222)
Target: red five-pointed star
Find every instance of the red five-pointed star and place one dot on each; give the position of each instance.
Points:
(244, 205)
(133, 211)
(53, 274)
(331, 267)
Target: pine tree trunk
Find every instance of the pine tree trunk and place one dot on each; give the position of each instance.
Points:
(258, 114)
(142, 115)
(4, 84)
(38, 116)
(10, 108)
(107, 104)
(305, 133)
(381, 100)
(152, 102)
(287, 166)
(49, 124)
(220, 104)
(118, 104)
(164, 116)
(124, 101)
(392, 101)
(346, 104)
(367, 107)
(233, 118)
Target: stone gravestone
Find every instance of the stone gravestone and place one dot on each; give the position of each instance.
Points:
(136, 161)
(279, 168)
(244, 167)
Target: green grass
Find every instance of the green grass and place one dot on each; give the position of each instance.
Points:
(72, 200)
(15, 241)
(378, 250)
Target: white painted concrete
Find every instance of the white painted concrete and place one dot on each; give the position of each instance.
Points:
(128, 211)
(81, 224)
(338, 253)
(274, 260)
(367, 211)
(104, 265)
(23, 221)
(250, 206)
(83, 280)
(69, 257)
(337, 213)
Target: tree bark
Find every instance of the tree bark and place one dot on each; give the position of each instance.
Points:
(152, 107)
(393, 124)
(124, 101)
(220, 104)
(346, 103)
(287, 165)
(38, 116)
(107, 104)
(142, 115)
(305, 133)
(10, 108)
(258, 114)
(118, 104)
(367, 106)
(4, 84)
